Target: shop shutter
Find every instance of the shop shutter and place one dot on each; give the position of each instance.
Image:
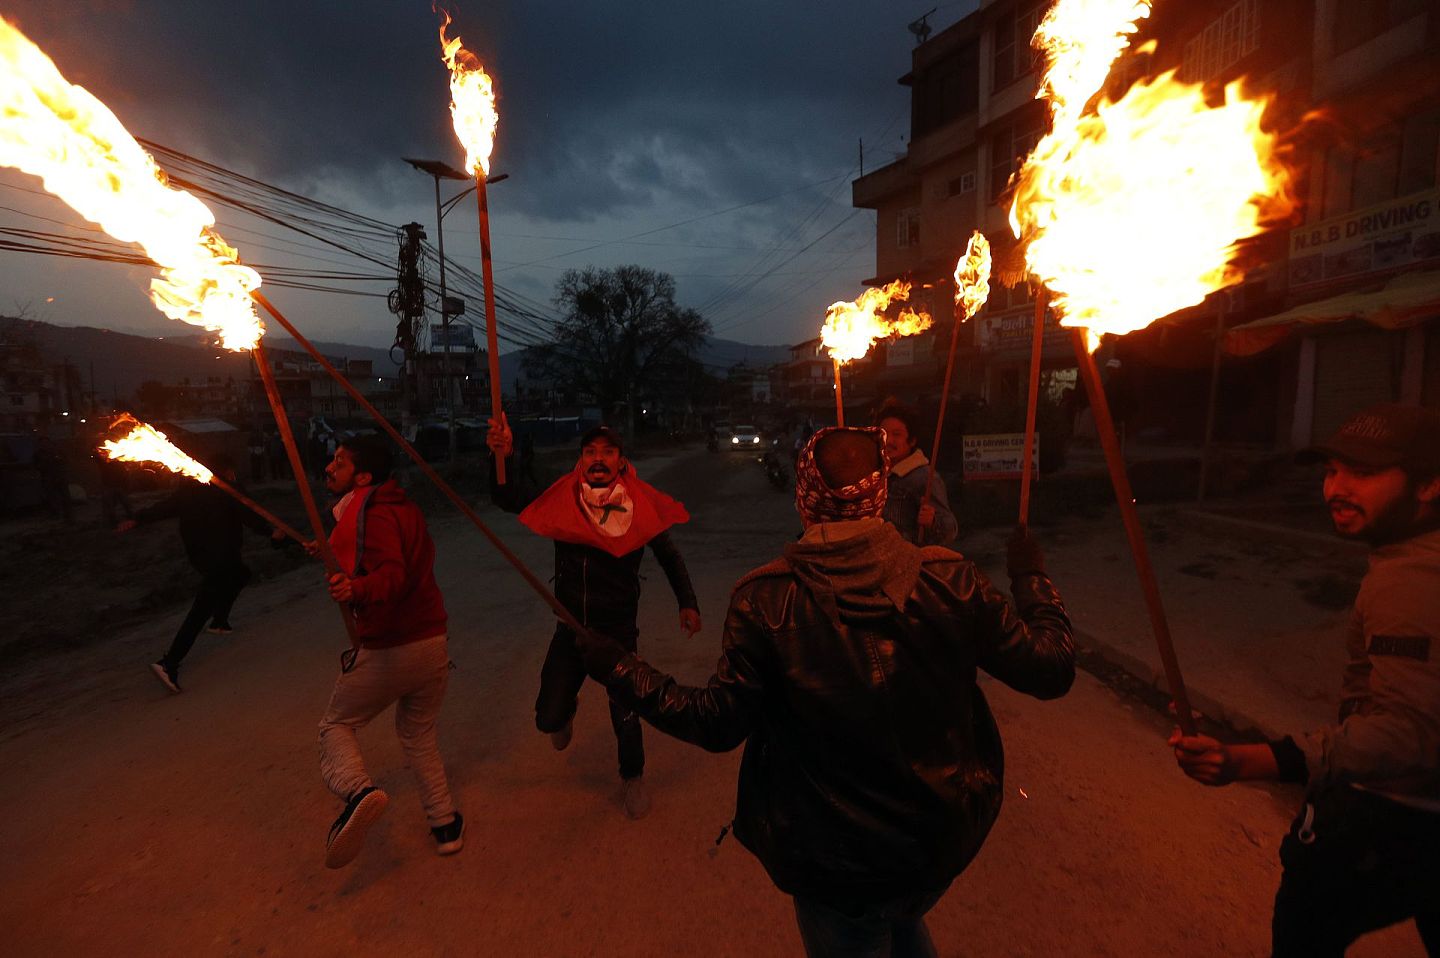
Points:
(1352, 370)
(1430, 388)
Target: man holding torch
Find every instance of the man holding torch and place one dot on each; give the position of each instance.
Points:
(387, 577)
(872, 772)
(601, 517)
(1363, 852)
(212, 528)
(921, 520)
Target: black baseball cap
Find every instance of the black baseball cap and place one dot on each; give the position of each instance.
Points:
(1383, 436)
(602, 432)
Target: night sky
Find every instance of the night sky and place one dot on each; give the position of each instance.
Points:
(712, 141)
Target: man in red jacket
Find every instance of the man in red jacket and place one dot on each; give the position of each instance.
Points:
(387, 577)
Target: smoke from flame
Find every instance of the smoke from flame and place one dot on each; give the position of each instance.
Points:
(472, 102)
(972, 275)
(1133, 210)
(145, 443)
(83, 154)
(852, 328)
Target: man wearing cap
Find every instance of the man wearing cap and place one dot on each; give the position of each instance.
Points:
(601, 516)
(872, 771)
(1364, 853)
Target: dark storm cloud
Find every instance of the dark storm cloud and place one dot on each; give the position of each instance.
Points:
(604, 105)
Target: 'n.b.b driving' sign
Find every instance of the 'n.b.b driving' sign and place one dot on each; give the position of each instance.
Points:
(998, 456)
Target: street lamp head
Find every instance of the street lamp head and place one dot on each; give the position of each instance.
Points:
(438, 169)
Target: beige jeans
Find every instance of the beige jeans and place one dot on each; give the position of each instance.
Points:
(413, 677)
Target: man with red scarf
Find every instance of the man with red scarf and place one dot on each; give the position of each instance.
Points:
(601, 516)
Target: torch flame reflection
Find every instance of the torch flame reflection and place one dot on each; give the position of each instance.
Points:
(1133, 210)
(472, 102)
(852, 328)
(82, 153)
(145, 443)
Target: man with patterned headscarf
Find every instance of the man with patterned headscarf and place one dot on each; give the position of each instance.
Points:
(872, 771)
(601, 516)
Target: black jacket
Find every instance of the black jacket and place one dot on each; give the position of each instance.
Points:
(873, 766)
(600, 589)
(212, 523)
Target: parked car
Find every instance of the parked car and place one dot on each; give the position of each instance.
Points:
(745, 437)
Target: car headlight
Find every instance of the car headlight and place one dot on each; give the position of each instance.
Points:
(735, 439)
(755, 440)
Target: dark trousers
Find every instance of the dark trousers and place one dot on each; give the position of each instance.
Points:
(213, 601)
(560, 681)
(878, 930)
(1363, 864)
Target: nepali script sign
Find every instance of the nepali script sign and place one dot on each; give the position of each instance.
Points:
(997, 456)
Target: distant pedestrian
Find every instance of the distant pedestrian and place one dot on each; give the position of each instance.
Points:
(873, 768)
(387, 560)
(1364, 852)
(212, 527)
(919, 522)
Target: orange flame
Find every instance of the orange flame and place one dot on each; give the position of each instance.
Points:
(82, 153)
(972, 275)
(1088, 200)
(145, 443)
(472, 102)
(852, 328)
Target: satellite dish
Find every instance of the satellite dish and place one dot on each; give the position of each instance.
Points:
(921, 28)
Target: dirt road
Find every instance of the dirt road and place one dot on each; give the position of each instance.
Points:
(135, 822)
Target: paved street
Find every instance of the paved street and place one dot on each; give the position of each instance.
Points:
(135, 822)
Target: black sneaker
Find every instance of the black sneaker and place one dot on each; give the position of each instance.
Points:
(450, 838)
(167, 676)
(220, 628)
(347, 835)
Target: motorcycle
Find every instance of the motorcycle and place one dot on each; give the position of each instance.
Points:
(774, 465)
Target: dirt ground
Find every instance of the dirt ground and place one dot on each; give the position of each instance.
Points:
(135, 822)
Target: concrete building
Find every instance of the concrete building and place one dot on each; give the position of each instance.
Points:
(1338, 305)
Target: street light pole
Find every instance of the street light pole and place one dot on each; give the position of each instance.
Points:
(445, 322)
(443, 171)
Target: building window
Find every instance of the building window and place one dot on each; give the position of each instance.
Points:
(907, 228)
(1014, 56)
(946, 91)
(1357, 22)
(1009, 148)
(964, 183)
(1224, 42)
(1420, 152)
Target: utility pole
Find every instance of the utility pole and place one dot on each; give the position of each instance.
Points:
(407, 300)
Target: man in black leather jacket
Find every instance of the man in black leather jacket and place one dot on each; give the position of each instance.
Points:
(601, 516)
(872, 771)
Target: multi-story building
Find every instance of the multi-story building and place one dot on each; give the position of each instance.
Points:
(1343, 296)
(1362, 270)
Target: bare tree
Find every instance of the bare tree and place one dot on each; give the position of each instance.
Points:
(621, 335)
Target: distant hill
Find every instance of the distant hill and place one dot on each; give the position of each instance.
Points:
(120, 362)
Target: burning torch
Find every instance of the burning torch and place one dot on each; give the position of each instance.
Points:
(84, 155)
(1085, 209)
(852, 328)
(142, 442)
(472, 108)
(972, 289)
